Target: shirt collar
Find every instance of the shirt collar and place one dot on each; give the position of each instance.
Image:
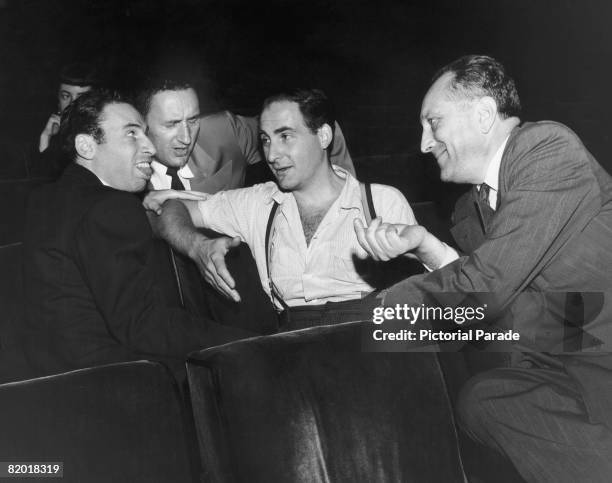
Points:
(161, 170)
(492, 175)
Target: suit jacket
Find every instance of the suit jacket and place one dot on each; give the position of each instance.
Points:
(92, 282)
(228, 143)
(546, 245)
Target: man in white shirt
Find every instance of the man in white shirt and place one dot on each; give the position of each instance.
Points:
(207, 153)
(312, 253)
(535, 233)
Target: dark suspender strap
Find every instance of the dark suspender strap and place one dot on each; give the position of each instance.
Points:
(268, 230)
(368, 203)
(273, 291)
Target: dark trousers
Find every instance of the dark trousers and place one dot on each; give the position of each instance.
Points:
(536, 417)
(302, 317)
(255, 312)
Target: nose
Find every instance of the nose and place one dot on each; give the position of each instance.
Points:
(147, 147)
(271, 152)
(184, 135)
(427, 141)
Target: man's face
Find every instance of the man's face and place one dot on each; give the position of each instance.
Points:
(451, 133)
(67, 94)
(123, 159)
(295, 154)
(173, 125)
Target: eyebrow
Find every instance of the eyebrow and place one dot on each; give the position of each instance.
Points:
(283, 128)
(133, 124)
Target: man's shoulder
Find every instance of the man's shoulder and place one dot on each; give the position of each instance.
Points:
(111, 203)
(261, 192)
(548, 142)
(535, 133)
(386, 191)
(225, 119)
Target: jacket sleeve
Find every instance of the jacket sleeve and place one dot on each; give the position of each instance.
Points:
(549, 194)
(246, 130)
(339, 154)
(115, 251)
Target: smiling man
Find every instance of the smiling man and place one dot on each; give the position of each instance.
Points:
(91, 274)
(308, 262)
(534, 236)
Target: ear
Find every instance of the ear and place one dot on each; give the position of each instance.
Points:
(85, 146)
(487, 113)
(325, 135)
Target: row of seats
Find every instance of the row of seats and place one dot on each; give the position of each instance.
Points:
(302, 406)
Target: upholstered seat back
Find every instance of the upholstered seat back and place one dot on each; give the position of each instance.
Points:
(311, 406)
(121, 422)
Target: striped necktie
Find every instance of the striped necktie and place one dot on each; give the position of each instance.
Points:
(483, 193)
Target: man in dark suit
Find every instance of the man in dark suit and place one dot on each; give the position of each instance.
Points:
(91, 275)
(534, 233)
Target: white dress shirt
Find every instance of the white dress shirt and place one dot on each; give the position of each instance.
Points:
(322, 271)
(162, 181)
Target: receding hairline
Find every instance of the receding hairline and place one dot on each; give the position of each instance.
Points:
(165, 91)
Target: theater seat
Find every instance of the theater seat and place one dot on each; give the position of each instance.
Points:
(115, 423)
(310, 406)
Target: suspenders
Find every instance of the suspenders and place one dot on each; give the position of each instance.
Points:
(366, 200)
(368, 211)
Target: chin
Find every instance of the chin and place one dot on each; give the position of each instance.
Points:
(286, 186)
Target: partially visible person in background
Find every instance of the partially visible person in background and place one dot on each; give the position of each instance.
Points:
(75, 79)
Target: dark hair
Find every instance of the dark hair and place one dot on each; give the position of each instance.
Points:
(314, 105)
(84, 116)
(153, 86)
(479, 75)
(80, 74)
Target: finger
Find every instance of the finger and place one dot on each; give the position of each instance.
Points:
(192, 195)
(222, 286)
(224, 279)
(219, 285)
(361, 236)
(377, 251)
(382, 237)
(221, 270)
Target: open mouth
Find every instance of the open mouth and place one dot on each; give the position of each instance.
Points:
(145, 168)
(180, 152)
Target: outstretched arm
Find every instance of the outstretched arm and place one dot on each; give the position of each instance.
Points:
(384, 241)
(178, 225)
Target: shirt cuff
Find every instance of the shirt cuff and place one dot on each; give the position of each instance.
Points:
(450, 255)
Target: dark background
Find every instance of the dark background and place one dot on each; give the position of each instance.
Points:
(373, 58)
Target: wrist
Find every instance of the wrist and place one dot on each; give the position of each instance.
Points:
(431, 251)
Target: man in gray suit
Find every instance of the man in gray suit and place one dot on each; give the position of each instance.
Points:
(534, 235)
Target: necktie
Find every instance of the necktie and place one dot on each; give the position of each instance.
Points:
(483, 193)
(176, 184)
